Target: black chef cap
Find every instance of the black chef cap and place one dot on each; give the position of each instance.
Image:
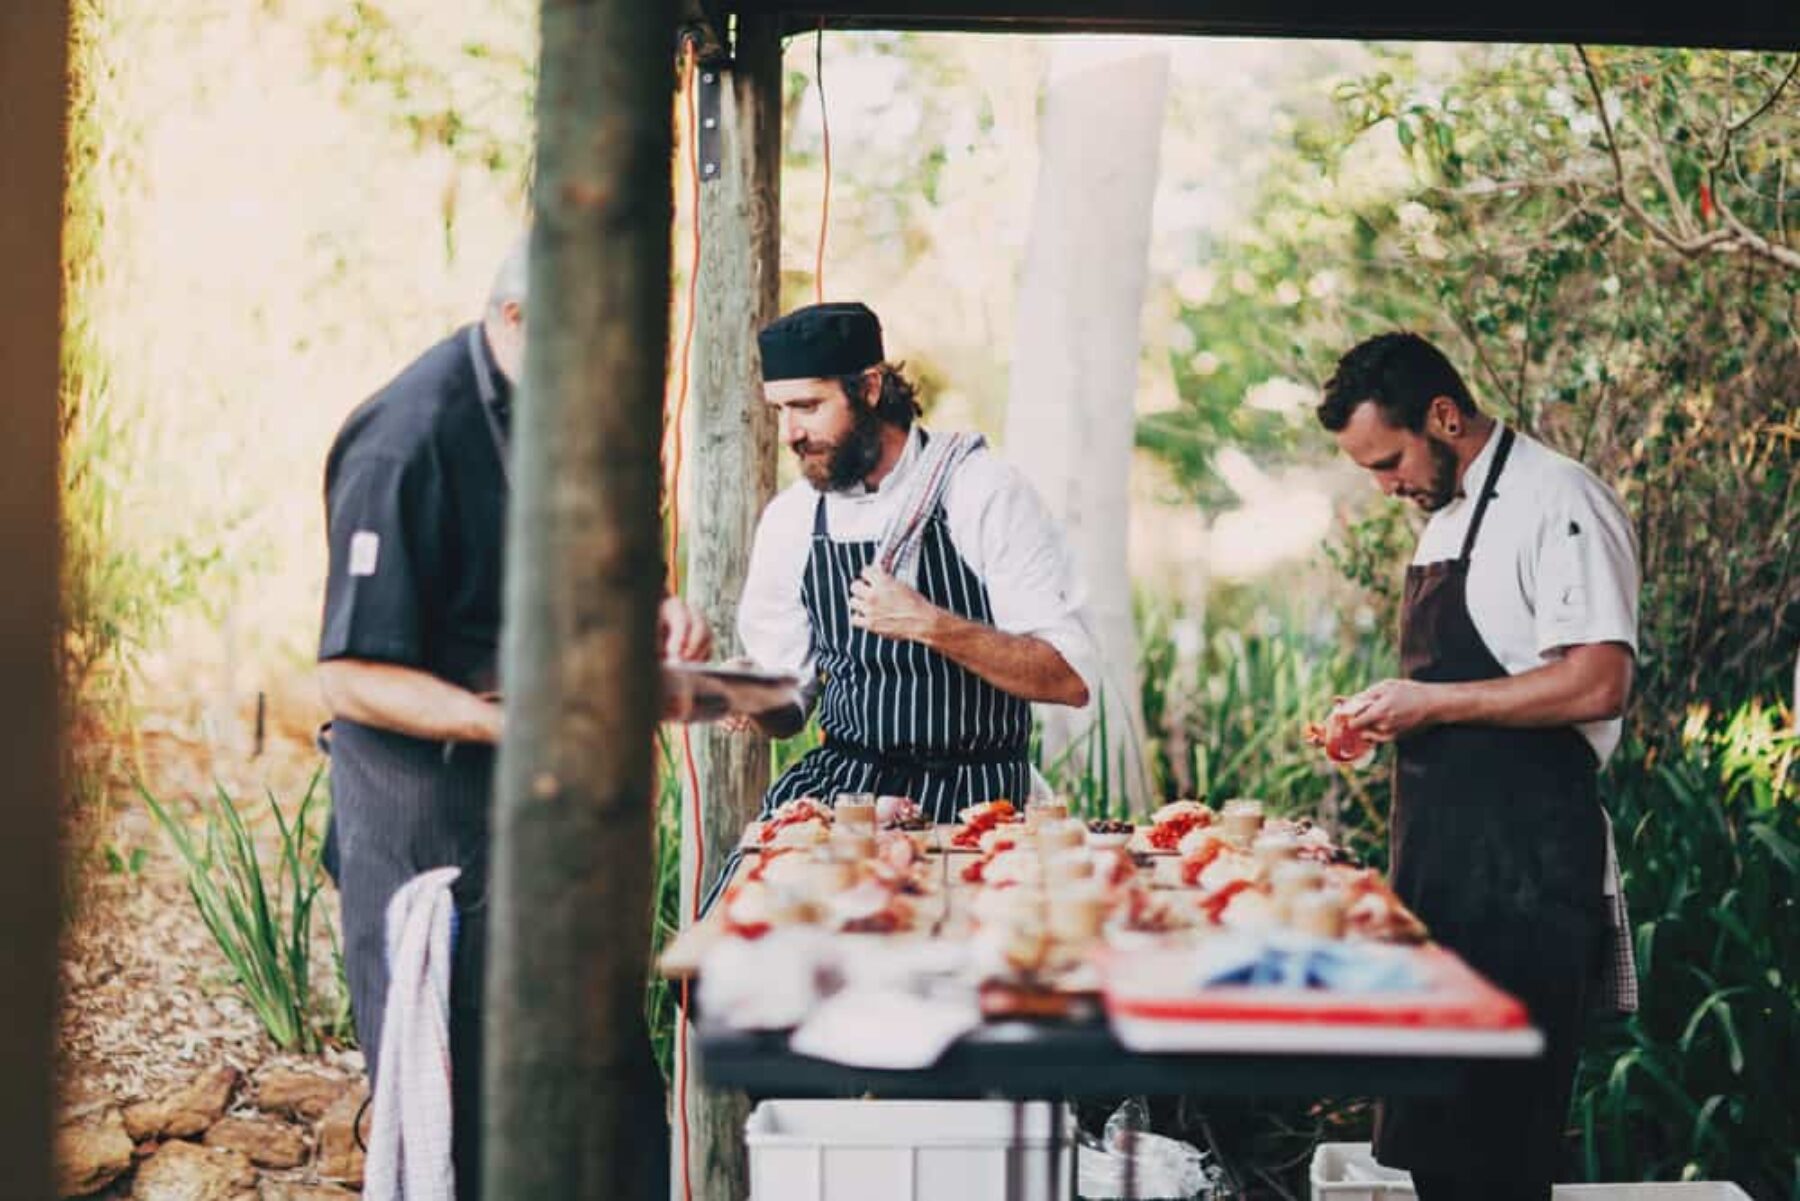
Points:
(821, 340)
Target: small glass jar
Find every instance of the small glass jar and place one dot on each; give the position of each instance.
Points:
(1062, 835)
(852, 843)
(1076, 916)
(1241, 819)
(1272, 849)
(1064, 867)
(854, 810)
(1319, 912)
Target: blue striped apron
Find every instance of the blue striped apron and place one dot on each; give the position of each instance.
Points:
(899, 718)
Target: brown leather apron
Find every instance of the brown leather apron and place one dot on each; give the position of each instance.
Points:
(1496, 842)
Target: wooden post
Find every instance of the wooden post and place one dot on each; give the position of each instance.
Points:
(732, 467)
(33, 58)
(573, 1097)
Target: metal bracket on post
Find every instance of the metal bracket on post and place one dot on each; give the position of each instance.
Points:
(712, 87)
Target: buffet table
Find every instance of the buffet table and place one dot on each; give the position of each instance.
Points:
(1124, 1019)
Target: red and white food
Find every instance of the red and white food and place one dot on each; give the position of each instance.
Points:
(894, 812)
(1241, 905)
(803, 821)
(747, 910)
(1114, 869)
(775, 865)
(1200, 840)
(1215, 865)
(1376, 913)
(898, 863)
(994, 843)
(1173, 822)
(1341, 743)
(869, 908)
(1155, 912)
(979, 819)
(1311, 842)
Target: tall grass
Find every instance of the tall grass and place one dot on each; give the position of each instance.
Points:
(661, 1000)
(261, 915)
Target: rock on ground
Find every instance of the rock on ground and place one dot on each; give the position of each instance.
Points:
(281, 1190)
(185, 1111)
(266, 1142)
(181, 1171)
(91, 1153)
(340, 1157)
(297, 1092)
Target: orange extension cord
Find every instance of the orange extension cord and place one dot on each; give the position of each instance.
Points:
(825, 200)
(673, 452)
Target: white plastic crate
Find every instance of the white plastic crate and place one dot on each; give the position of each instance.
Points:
(902, 1151)
(1348, 1172)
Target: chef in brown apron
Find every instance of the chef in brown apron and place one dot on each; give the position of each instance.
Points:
(1518, 634)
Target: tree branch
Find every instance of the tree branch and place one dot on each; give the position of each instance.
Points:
(1731, 235)
(1736, 128)
(1752, 242)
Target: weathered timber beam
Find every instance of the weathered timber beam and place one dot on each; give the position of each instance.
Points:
(33, 62)
(1732, 24)
(574, 1101)
(732, 467)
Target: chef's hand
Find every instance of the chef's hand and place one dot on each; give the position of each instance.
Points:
(882, 605)
(1392, 709)
(682, 631)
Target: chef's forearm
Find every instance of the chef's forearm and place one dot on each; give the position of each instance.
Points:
(1017, 664)
(406, 701)
(1590, 683)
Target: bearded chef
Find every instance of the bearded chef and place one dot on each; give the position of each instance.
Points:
(914, 580)
(1517, 642)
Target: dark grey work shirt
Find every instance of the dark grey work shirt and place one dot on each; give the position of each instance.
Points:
(415, 506)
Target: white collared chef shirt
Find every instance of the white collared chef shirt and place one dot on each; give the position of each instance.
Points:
(1555, 562)
(996, 522)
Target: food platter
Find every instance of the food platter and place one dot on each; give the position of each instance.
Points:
(1154, 1007)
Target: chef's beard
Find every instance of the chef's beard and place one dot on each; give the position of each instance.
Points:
(1442, 489)
(848, 461)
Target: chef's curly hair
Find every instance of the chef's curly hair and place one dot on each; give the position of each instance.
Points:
(1401, 373)
(899, 401)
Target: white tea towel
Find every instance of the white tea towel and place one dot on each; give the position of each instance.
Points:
(898, 553)
(1618, 977)
(409, 1139)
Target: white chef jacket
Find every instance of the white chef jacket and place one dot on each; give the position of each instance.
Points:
(1555, 564)
(997, 524)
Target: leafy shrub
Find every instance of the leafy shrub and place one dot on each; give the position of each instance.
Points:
(1696, 1084)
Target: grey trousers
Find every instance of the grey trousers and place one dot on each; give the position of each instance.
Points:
(401, 806)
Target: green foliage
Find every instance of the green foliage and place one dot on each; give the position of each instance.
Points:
(471, 96)
(260, 915)
(661, 1001)
(1695, 1084)
(115, 596)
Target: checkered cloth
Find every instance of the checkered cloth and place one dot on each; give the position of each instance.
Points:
(409, 1139)
(898, 552)
(1618, 975)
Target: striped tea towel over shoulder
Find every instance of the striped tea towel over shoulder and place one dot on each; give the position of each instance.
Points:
(898, 553)
(409, 1137)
